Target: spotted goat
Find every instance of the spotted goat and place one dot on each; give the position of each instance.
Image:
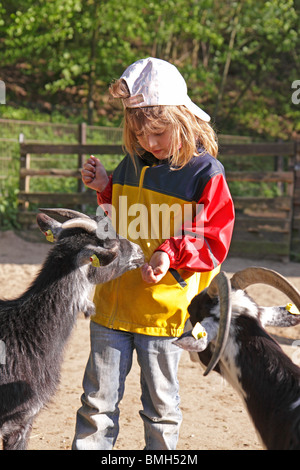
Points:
(232, 341)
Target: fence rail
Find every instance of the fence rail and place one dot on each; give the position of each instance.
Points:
(69, 149)
(265, 227)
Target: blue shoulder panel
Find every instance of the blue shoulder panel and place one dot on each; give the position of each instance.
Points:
(187, 183)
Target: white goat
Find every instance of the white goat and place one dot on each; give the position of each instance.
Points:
(35, 327)
(235, 344)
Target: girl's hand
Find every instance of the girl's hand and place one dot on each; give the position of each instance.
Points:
(157, 267)
(94, 174)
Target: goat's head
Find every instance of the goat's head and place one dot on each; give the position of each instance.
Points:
(218, 306)
(93, 240)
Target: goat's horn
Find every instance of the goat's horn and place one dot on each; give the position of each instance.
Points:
(69, 213)
(220, 286)
(87, 224)
(254, 275)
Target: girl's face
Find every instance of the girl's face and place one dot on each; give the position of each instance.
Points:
(159, 144)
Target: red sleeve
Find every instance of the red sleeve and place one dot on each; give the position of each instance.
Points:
(204, 243)
(106, 195)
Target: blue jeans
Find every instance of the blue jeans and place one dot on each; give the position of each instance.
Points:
(104, 380)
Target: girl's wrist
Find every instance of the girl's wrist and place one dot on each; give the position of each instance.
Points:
(103, 185)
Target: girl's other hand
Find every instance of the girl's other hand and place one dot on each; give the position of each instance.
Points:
(94, 174)
(157, 267)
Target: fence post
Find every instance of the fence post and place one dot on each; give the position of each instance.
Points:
(24, 184)
(279, 166)
(295, 238)
(81, 158)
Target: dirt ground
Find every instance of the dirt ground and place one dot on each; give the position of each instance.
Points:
(213, 414)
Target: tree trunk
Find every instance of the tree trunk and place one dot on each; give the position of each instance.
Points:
(228, 58)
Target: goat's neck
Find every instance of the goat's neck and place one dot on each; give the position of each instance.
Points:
(56, 296)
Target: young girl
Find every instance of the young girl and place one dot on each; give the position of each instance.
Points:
(171, 165)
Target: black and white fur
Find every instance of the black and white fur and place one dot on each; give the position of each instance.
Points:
(253, 363)
(36, 326)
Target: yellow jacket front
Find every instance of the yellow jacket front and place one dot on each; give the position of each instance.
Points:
(151, 204)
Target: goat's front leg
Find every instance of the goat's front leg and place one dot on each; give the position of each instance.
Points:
(18, 439)
(89, 309)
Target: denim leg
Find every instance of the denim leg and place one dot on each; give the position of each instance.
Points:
(97, 423)
(159, 358)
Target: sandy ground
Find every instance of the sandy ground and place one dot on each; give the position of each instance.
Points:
(213, 414)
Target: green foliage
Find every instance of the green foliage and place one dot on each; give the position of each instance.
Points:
(9, 206)
(239, 58)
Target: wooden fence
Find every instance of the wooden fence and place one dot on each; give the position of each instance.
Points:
(266, 227)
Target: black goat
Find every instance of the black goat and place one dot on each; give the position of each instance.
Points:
(246, 355)
(34, 328)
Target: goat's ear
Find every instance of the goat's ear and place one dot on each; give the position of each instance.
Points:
(105, 257)
(50, 227)
(189, 343)
(97, 256)
(206, 331)
(279, 316)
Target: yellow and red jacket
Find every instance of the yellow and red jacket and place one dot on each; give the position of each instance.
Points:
(196, 253)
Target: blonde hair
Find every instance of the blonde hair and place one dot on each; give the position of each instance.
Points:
(188, 132)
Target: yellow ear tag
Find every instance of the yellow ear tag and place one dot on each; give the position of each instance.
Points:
(198, 331)
(292, 309)
(95, 261)
(49, 236)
